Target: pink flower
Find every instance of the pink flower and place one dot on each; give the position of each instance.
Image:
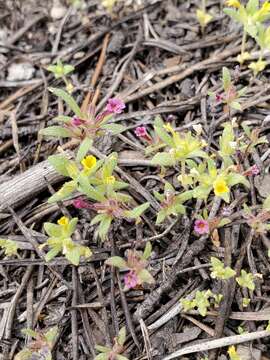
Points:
(201, 226)
(140, 131)
(75, 121)
(130, 279)
(115, 106)
(218, 98)
(80, 203)
(255, 170)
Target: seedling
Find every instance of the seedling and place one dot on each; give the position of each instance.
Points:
(230, 96)
(61, 71)
(40, 347)
(201, 302)
(246, 280)
(115, 352)
(259, 221)
(171, 203)
(202, 16)
(10, 247)
(245, 302)
(60, 241)
(219, 271)
(249, 16)
(136, 263)
(250, 139)
(85, 125)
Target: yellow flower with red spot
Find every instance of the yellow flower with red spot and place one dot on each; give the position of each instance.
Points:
(89, 162)
(220, 187)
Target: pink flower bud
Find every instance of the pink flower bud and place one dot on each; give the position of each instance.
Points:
(80, 203)
(115, 106)
(255, 170)
(75, 121)
(130, 279)
(218, 98)
(201, 226)
(140, 131)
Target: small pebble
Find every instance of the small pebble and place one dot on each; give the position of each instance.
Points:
(20, 71)
(79, 55)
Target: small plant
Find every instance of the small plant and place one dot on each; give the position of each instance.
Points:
(246, 280)
(115, 352)
(233, 353)
(245, 302)
(41, 347)
(259, 221)
(60, 241)
(202, 16)
(250, 139)
(219, 271)
(230, 96)
(249, 16)
(171, 203)
(85, 125)
(61, 71)
(109, 4)
(10, 247)
(136, 263)
(201, 302)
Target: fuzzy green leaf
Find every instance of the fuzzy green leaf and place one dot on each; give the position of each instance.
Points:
(163, 159)
(137, 211)
(147, 250)
(83, 149)
(145, 276)
(117, 261)
(114, 128)
(60, 163)
(121, 338)
(56, 131)
(68, 99)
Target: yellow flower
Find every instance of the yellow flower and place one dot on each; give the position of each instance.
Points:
(220, 187)
(233, 3)
(89, 162)
(203, 17)
(109, 180)
(263, 13)
(63, 221)
(233, 353)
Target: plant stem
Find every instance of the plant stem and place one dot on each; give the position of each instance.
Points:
(243, 45)
(204, 6)
(183, 172)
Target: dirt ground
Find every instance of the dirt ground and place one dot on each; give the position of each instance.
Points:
(154, 56)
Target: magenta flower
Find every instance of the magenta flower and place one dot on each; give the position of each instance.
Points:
(140, 131)
(218, 98)
(130, 279)
(255, 170)
(201, 226)
(75, 121)
(80, 203)
(115, 106)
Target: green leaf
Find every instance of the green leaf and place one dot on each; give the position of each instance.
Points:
(51, 334)
(66, 190)
(226, 78)
(56, 131)
(114, 128)
(59, 162)
(236, 105)
(68, 99)
(73, 256)
(52, 253)
(116, 261)
(164, 136)
(145, 276)
(147, 250)
(102, 356)
(121, 338)
(234, 179)
(163, 159)
(233, 14)
(161, 216)
(52, 230)
(252, 6)
(71, 226)
(83, 149)
(137, 211)
(185, 196)
(104, 226)
(103, 349)
(266, 203)
(120, 357)
(158, 196)
(63, 118)
(202, 302)
(29, 332)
